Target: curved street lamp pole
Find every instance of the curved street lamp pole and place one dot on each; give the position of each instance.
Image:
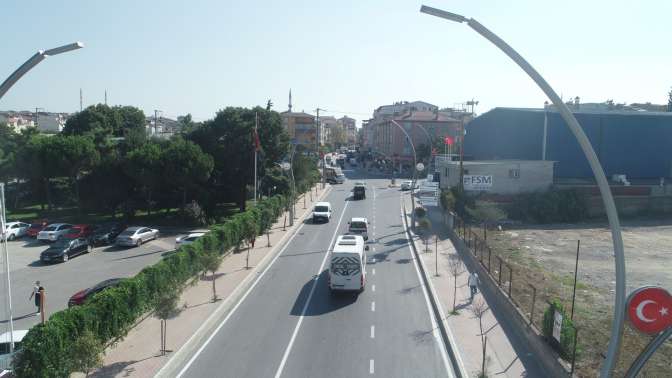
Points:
(415, 169)
(34, 61)
(598, 172)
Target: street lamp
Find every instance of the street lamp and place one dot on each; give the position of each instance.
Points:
(289, 168)
(415, 166)
(598, 172)
(33, 61)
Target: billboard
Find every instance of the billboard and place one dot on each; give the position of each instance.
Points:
(477, 182)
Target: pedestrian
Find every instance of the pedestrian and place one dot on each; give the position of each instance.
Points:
(37, 294)
(473, 284)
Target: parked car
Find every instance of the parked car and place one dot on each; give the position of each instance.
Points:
(17, 337)
(322, 212)
(135, 236)
(106, 234)
(80, 231)
(83, 295)
(65, 248)
(407, 185)
(16, 229)
(54, 231)
(35, 229)
(188, 239)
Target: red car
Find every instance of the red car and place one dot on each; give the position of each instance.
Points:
(81, 296)
(80, 231)
(35, 229)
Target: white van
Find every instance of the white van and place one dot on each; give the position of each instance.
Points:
(347, 267)
(359, 226)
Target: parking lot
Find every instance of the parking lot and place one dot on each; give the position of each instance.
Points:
(62, 280)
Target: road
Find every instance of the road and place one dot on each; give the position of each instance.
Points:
(290, 325)
(61, 280)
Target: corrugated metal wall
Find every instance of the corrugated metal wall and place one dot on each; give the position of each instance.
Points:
(638, 145)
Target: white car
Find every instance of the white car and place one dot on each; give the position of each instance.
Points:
(54, 231)
(188, 239)
(322, 212)
(407, 185)
(16, 229)
(135, 236)
(359, 226)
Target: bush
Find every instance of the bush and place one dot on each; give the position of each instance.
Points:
(447, 200)
(567, 332)
(420, 212)
(46, 349)
(553, 206)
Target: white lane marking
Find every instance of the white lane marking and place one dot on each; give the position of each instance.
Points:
(373, 332)
(249, 290)
(373, 306)
(371, 367)
(434, 324)
(373, 288)
(373, 271)
(278, 373)
(373, 259)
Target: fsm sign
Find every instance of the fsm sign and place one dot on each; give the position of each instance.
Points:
(477, 182)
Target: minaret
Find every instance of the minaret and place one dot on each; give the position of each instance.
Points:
(290, 100)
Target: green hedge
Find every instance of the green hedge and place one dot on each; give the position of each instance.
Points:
(110, 314)
(553, 206)
(567, 332)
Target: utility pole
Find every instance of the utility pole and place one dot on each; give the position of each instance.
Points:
(156, 120)
(318, 147)
(3, 239)
(256, 138)
(81, 100)
(37, 116)
(106, 97)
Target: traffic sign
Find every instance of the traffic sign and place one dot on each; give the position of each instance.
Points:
(420, 167)
(649, 309)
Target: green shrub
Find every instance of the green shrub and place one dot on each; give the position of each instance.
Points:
(420, 212)
(447, 200)
(110, 314)
(553, 206)
(567, 332)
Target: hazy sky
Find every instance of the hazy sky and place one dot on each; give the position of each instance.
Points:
(348, 56)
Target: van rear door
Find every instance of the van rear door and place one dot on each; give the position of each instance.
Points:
(345, 271)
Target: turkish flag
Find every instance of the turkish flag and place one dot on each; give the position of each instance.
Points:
(650, 309)
(448, 140)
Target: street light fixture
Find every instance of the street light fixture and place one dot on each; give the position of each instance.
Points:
(34, 61)
(598, 172)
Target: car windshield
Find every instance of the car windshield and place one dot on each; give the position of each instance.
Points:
(321, 209)
(50, 228)
(357, 225)
(62, 243)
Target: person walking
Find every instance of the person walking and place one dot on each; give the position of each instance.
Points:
(37, 295)
(473, 284)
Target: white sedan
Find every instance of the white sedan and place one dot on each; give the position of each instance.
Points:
(135, 236)
(188, 239)
(407, 185)
(16, 229)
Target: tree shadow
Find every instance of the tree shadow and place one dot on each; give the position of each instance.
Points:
(210, 277)
(24, 316)
(409, 290)
(323, 300)
(141, 255)
(117, 368)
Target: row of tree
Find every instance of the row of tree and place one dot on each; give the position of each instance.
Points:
(103, 161)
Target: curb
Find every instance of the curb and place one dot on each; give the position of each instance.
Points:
(173, 366)
(442, 320)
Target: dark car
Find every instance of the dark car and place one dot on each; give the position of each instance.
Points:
(359, 192)
(83, 295)
(106, 234)
(65, 248)
(80, 231)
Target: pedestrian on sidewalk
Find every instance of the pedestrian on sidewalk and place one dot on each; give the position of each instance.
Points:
(473, 284)
(37, 294)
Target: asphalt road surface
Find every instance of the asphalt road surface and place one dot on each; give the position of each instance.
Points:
(291, 326)
(62, 280)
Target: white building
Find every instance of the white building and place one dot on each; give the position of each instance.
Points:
(401, 107)
(50, 123)
(17, 121)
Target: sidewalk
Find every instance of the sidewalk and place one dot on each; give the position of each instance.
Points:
(137, 355)
(502, 358)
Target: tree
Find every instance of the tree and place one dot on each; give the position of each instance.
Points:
(455, 267)
(185, 165)
(165, 307)
(669, 101)
(478, 309)
(40, 161)
(86, 353)
(77, 154)
(104, 121)
(211, 261)
(145, 166)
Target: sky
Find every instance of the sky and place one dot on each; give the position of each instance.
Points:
(346, 56)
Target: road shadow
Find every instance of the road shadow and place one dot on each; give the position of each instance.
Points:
(140, 255)
(209, 277)
(404, 261)
(397, 241)
(301, 253)
(122, 369)
(16, 318)
(409, 290)
(30, 242)
(323, 300)
(37, 263)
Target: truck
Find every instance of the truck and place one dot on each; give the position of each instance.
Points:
(334, 175)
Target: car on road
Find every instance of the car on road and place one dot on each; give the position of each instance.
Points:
(83, 295)
(322, 212)
(359, 226)
(106, 233)
(80, 231)
(347, 268)
(53, 232)
(35, 229)
(359, 191)
(65, 248)
(15, 230)
(135, 236)
(407, 185)
(188, 239)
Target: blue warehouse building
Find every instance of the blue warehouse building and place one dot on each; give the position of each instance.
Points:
(635, 144)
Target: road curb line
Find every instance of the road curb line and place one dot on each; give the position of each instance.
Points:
(174, 364)
(442, 320)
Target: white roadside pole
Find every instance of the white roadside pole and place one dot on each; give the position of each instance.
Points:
(3, 229)
(598, 172)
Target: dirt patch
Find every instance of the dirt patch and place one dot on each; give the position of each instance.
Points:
(542, 259)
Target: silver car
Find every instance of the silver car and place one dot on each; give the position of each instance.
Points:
(53, 232)
(135, 236)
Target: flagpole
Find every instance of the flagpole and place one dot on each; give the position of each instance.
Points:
(256, 136)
